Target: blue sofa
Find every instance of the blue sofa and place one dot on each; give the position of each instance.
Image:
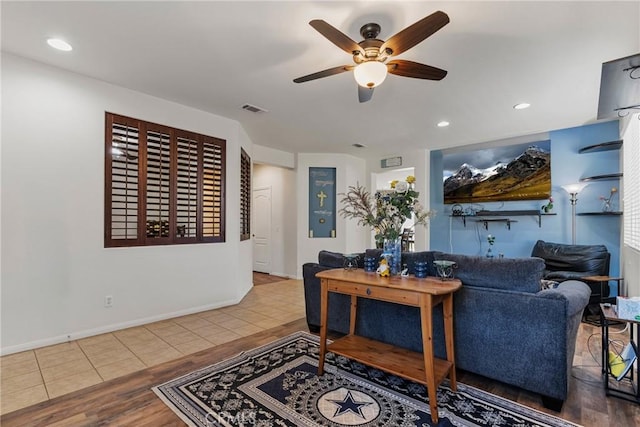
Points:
(505, 327)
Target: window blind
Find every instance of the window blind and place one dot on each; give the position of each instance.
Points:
(631, 160)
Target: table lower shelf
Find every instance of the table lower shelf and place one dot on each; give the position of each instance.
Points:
(394, 360)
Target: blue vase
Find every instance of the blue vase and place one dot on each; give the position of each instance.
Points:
(392, 251)
(420, 268)
(490, 253)
(370, 264)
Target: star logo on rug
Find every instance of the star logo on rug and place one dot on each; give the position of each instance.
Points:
(349, 404)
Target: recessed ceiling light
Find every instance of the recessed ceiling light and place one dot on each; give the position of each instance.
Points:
(521, 106)
(59, 44)
(443, 124)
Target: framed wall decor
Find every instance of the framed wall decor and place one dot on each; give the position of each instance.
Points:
(322, 202)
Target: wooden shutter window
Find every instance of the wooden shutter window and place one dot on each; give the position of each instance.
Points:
(162, 185)
(245, 195)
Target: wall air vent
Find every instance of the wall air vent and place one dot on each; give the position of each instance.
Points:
(253, 108)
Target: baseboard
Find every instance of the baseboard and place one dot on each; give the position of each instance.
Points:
(288, 276)
(110, 328)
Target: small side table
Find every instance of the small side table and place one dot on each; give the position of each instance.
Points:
(605, 279)
(608, 315)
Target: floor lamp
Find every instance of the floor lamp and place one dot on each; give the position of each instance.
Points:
(573, 190)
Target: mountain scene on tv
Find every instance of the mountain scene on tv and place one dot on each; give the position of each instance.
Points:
(500, 174)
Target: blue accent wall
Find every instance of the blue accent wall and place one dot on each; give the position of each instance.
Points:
(448, 234)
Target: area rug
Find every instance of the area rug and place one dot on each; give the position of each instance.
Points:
(277, 385)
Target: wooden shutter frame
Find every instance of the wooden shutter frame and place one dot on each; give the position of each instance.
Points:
(109, 241)
(141, 238)
(245, 196)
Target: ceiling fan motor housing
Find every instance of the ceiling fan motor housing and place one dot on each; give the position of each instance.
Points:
(370, 30)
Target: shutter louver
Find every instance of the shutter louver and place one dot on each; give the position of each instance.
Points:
(124, 182)
(245, 195)
(158, 188)
(187, 188)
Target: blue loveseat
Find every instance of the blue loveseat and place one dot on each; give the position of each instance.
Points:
(505, 327)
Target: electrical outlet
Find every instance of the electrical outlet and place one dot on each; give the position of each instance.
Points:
(108, 301)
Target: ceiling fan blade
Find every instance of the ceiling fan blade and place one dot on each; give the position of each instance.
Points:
(401, 67)
(415, 33)
(324, 73)
(364, 93)
(336, 37)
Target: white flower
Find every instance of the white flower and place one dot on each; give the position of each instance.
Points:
(402, 187)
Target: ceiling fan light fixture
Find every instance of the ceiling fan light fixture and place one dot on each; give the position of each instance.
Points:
(370, 74)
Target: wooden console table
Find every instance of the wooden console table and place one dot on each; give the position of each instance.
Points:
(423, 293)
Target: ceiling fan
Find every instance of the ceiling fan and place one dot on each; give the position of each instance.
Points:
(371, 54)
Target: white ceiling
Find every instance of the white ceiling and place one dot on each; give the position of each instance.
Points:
(218, 56)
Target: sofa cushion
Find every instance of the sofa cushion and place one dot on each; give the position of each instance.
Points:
(336, 259)
(514, 274)
(410, 258)
(330, 259)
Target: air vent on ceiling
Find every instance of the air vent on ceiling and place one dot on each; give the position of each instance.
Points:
(358, 145)
(253, 108)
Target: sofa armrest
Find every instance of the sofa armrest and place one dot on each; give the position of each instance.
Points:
(339, 305)
(577, 294)
(529, 340)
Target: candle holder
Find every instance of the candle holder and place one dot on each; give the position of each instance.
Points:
(444, 269)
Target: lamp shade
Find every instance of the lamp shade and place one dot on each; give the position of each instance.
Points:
(574, 188)
(370, 74)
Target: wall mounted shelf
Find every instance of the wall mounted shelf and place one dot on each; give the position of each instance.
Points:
(603, 146)
(604, 177)
(614, 213)
(485, 217)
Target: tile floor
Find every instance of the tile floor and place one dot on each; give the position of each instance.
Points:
(37, 375)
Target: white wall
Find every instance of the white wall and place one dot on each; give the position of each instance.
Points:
(271, 156)
(349, 236)
(55, 269)
(282, 182)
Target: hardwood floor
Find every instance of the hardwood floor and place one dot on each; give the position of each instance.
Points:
(129, 401)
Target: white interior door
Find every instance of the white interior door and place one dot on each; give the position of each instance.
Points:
(262, 230)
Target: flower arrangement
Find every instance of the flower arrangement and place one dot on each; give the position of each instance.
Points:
(547, 208)
(387, 211)
(606, 201)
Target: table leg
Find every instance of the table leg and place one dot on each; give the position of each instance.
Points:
(426, 321)
(354, 309)
(324, 308)
(447, 311)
